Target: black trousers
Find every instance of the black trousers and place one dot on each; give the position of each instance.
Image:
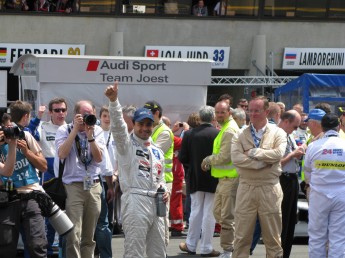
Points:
(290, 187)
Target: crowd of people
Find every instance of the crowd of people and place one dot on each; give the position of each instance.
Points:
(241, 168)
(69, 6)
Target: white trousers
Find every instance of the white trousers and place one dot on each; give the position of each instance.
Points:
(201, 221)
(326, 224)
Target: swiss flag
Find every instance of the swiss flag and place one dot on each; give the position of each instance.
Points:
(152, 52)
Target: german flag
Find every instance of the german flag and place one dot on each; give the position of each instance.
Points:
(3, 51)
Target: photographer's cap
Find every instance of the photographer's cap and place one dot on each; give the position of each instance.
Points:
(141, 114)
(316, 114)
(330, 121)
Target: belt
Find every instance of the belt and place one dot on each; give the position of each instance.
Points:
(287, 174)
(143, 192)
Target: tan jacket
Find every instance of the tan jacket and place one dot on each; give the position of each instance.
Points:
(262, 165)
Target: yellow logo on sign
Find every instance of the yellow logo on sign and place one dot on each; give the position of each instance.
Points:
(325, 164)
(74, 52)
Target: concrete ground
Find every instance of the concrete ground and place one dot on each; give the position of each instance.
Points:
(299, 249)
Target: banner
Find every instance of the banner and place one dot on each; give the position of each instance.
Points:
(314, 58)
(9, 53)
(220, 55)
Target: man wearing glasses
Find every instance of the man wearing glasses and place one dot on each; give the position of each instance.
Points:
(44, 132)
(256, 153)
(243, 103)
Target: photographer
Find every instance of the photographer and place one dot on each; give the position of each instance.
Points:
(22, 213)
(81, 145)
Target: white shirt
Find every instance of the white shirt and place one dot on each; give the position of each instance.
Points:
(324, 164)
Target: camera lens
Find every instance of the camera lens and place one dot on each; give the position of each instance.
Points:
(89, 119)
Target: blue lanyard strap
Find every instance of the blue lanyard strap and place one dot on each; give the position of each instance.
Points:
(256, 139)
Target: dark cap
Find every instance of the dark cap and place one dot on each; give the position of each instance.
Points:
(141, 114)
(153, 106)
(330, 121)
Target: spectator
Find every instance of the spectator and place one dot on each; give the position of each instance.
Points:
(289, 179)
(64, 6)
(239, 116)
(176, 205)
(301, 134)
(273, 113)
(314, 125)
(141, 173)
(222, 168)
(259, 193)
(227, 98)
(220, 8)
(104, 228)
(45, 133)
(163, 137)
(200, 9)
(324, 106)
(326, 203)
(282, 107)
(342, 122)
(81, 146)
(193, 122)
(298, 107)
(243, 103)
(23, 214)
(128, 113)
(196, 145)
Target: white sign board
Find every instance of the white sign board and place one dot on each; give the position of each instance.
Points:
(9, 52)
(314, 58)
(125, 70)
(179, 85)
(220, 55)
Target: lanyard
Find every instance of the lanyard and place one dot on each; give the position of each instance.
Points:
(108, 139)
(83, 152)
(256, 139)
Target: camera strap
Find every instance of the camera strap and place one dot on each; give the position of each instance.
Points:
(82, 152)
(109, 136)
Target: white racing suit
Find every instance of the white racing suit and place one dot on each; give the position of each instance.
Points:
(141, 173)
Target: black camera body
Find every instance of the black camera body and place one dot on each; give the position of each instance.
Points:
(13, 132)
(89, 119)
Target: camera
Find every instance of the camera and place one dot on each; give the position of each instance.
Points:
(57, 218)
(13, 132)
(60, 221)
(89, 119)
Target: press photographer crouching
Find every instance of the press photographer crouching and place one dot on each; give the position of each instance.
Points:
(21, 158)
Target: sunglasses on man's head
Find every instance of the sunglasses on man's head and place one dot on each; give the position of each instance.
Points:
(58, 110)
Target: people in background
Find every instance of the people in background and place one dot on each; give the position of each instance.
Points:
(220, 8)
(196, 145)
(200, 9)
(243, 103)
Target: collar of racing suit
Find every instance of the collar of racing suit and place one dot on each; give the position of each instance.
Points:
(141, 142)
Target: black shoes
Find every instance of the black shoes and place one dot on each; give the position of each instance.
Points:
(175, 233)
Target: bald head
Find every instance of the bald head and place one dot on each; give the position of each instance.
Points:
(222, 110)
(290, 120)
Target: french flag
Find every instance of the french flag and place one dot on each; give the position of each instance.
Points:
(290, 56)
